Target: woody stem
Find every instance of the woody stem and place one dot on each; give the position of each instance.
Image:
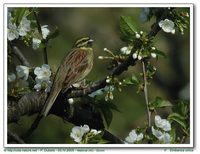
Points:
(146, 93)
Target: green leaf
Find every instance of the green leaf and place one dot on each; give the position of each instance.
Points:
(173, 135)
(178, 119)
(127, 24)
(103, 141)
(132, 81)
(107, 114)
(158, 102)
(160, 53)
(107, 105)
(53, 34)
(182, 107)
(42, 45)
(127, 27)
(19, 14)
(112, 106)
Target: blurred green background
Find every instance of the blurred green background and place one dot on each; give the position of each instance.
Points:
(102, 24)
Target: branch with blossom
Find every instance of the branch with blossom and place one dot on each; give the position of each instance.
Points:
(139, 48)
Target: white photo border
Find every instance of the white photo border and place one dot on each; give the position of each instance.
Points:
(99, 5)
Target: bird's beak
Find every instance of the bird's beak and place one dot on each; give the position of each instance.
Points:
(90, 41)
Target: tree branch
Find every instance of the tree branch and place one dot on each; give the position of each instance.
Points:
(20, 56)
(45, 56)
(146, 93)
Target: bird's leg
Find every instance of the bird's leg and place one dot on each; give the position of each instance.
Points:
(84, 86)
(81, 86)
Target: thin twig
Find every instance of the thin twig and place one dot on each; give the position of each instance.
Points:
(20, 56)
(146, 93)
(38, 23)
(33, 127)
(45, 56)
(15, 137)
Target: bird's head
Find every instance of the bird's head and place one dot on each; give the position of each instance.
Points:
(83, 42)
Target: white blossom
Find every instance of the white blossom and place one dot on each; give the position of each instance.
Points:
(70, 100)
(12, 32)
(166, 139)
(45, 31)
(133, 137)
(162, 123)
(153, 48)
(40, 84)
(141, 32)
(36, 43)
(43, 73)
(77, 133)
(48, 86)
(24, 26)
(125, 50)
(163, 137)
(22, 72)
(42, 79)
(11, 77)
(167, 26)
(158, 134)
(153, 55)
(85, 128)
(38, 87)
(95, 132)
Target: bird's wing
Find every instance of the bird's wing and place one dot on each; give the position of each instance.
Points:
(67, 74)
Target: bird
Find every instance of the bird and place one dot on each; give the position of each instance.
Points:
(74, 67)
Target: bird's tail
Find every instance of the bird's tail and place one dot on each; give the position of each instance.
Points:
(50, 100)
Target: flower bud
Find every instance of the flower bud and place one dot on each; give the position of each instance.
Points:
(100, 57)
(153, 55)
(139, 57)
(137, 35)
(105, 49)
(107, 80)
(70, 100)
(135, 56)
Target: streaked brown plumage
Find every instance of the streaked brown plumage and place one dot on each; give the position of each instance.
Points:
(74, 67)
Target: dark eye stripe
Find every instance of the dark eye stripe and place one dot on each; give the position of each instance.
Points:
(82, 41)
